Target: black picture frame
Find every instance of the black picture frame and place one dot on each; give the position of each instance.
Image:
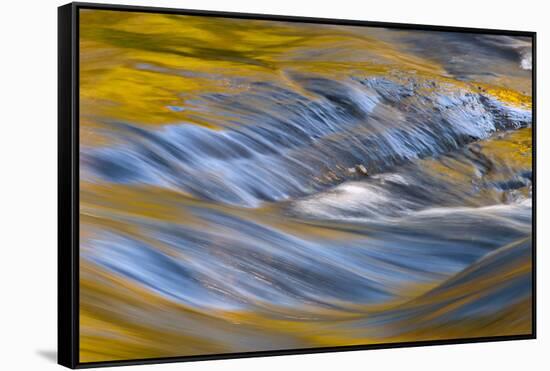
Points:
(68, 182)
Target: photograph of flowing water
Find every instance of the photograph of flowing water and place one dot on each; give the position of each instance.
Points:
(253, 185)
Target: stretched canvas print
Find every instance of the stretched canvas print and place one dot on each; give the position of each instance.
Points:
(252, 185)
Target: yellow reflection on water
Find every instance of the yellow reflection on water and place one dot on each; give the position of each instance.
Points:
(152, 69)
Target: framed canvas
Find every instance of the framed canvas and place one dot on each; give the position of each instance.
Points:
(237, 185)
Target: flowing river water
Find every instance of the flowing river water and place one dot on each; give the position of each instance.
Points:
(254, 185)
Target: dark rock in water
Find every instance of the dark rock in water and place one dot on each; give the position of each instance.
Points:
(358, 169)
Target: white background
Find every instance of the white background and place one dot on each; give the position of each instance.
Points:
(28, 194)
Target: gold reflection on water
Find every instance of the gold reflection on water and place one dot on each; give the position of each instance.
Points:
(135, 66)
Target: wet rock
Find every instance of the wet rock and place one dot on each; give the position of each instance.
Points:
(358, 169)
(361, 169)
